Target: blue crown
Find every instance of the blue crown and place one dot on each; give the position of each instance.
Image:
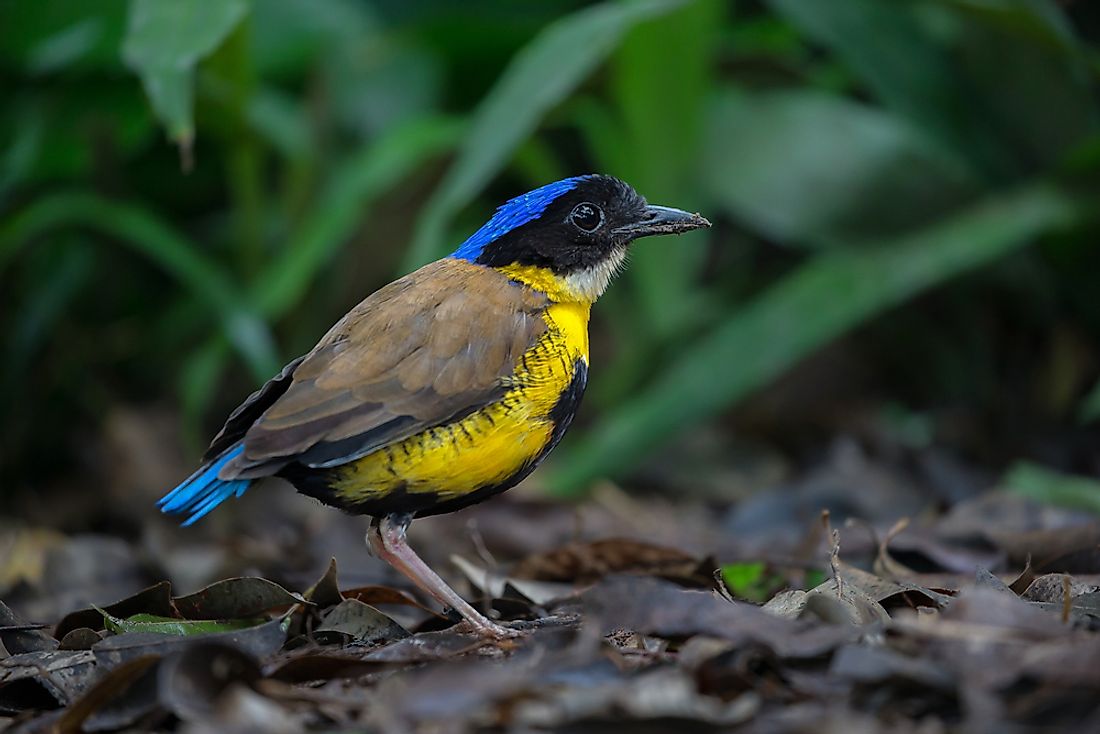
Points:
(514, 213)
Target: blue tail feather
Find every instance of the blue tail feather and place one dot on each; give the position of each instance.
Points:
(203, 491)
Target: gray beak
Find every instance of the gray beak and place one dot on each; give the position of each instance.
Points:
(662, 220)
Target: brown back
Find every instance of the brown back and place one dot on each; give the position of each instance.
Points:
(423, 351)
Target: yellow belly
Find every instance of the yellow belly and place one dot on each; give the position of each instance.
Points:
(489, 446)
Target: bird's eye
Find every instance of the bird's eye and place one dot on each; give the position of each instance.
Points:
(586, 217)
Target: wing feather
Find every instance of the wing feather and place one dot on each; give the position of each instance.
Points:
(425, 350)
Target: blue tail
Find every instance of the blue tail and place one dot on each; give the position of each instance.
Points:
(203, 491)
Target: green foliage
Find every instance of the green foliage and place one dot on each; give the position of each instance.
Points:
(814, 578)
(165, 40)
(744, 579)
(769, 147)
(853, 154)
(539, 77)
(751, 581)
(1002, 82)
(1090, 408)
(142, 231)
(801, 313)
(1052, 487)
(171, 626)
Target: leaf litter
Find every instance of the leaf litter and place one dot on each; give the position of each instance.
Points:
(938, 624)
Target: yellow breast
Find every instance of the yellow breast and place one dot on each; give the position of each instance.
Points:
(491, 445)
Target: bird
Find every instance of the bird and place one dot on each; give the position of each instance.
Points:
(447, 386)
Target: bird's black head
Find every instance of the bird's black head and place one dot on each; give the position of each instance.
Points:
(577, 228)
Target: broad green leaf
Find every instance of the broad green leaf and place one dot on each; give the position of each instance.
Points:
(1036, 101)
(539, 77)
(803, 165)
(1052, 487)
(660, 102)
(165, 39)
(259, 640)
(943, 64)
(660, 98)
(171, 626)
(890, 49)
(830, 294)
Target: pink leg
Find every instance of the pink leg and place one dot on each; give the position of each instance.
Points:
(386, 539)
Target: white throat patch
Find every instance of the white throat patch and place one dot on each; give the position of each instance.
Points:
(590, 283)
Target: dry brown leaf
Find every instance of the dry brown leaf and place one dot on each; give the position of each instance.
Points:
(584, 563)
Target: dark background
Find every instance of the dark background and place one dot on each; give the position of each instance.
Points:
(903, 266)
(895, 318)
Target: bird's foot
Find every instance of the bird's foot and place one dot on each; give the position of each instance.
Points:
(519, 628)
(491, 630)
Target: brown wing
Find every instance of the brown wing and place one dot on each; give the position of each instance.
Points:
(425, 350)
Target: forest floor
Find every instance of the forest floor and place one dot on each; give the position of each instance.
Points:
(927, 601)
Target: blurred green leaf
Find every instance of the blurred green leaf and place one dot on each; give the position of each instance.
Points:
(23, 144)
(1090, 408)
(281, 121)
(172, 626)
(1036, 101)
(828, 295)
(71, 270)
(152, 238)
(539, 77)
(1053, 488)
(292, 35)
(888, 47)
(375, 92)
(364, 175)
(62, 35)
(749, 581)
(801, 166)
(64, 48)
(47, 131)
(741, 575)
(660, 101)
(165, 39)
(814, 578)
(944, 65)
